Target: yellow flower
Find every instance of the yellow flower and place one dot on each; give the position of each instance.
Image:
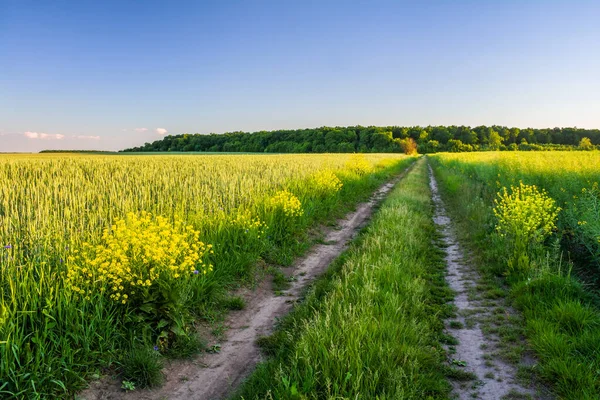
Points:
(325, 183)
(359, 165)
(137, 251)
(527, 213)
(286, 202)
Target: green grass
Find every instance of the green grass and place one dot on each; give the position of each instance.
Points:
(142, 367)
(371, 326)
(561, 316)
(50, 342)
(234, 303)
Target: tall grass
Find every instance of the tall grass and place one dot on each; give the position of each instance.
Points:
(562, 314)
(369, 328)
(52, 337)
(570, 178)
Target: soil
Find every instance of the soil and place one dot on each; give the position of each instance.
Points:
(214, 376)
(476, 351)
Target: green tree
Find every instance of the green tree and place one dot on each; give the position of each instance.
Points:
(495, 140)
(586, 144)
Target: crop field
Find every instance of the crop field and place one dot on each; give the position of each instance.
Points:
(110, 265)
(105, 255)
(374, 328)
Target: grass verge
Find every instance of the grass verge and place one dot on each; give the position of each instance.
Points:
(371, 326)
(561, 317)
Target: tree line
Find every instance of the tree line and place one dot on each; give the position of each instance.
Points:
(373, 139)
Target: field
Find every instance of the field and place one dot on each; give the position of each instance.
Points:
(111, 264)
(570, 178)
(104, 256)
(550, 278)
(533, 296)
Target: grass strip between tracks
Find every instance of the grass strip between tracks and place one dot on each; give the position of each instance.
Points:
(371, 327)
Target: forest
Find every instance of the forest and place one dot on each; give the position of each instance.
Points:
(373, 139)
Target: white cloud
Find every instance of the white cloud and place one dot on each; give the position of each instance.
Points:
(140, 129)
(161, 131)
(41, 135)
(85, 137)
(31, 135)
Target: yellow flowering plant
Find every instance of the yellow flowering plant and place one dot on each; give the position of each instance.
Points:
(359, 164)
(142, 262)
(247, 223)
(245, 232)
(286, 203)
(284, 211)
(526, 216)
(325, 183)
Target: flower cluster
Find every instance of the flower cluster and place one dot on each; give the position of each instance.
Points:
(526, 214)
(286, 202)
(359, 164)
(325, 182)
(247, 223)
(136, 253)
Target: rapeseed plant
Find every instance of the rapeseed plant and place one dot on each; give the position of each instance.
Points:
(526, 213)
(287, 203)
(359, 165)
(136, 253)
(248, 223)
(526, 216)
(325, 183)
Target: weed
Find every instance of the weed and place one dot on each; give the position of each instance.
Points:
(234, 303)
(142, 367)
(459, 363)
(456, 325)
(459, 375)
(128, 386)
(186, 346)
(280, 281)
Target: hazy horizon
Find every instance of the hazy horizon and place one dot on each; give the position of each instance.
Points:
(107, 76)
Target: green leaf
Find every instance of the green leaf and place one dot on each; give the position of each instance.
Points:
(178, 331)
(161, 324)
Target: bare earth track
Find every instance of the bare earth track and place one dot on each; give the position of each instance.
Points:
(495, 378)
(214, 376)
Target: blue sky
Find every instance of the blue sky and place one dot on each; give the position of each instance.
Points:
(113, 74)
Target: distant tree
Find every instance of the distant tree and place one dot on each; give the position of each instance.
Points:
(466, 135)
(441, 134)
(409, 146)
(514, 134)
(494, 140)
(586, 144)
(380, 139)
(417, 133)
(455, 145)
(432, 146)
(382, 142)
(399, 132)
